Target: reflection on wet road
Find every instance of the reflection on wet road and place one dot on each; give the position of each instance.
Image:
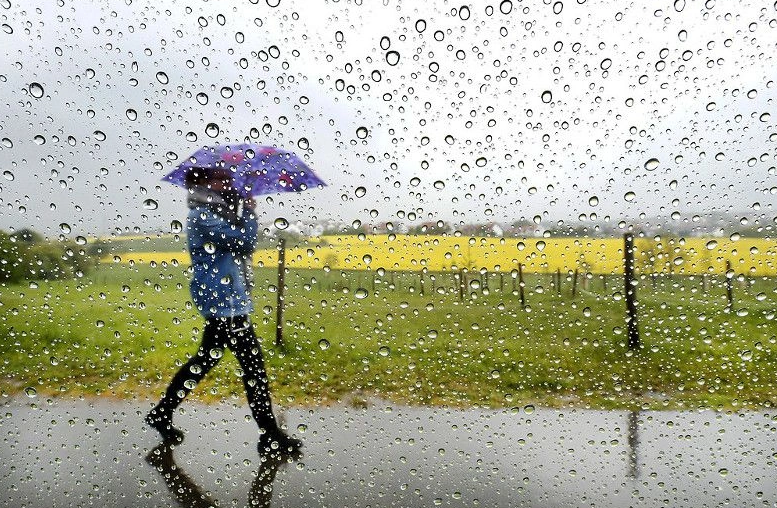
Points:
(65, 453)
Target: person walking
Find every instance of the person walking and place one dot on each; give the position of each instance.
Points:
(221, 234)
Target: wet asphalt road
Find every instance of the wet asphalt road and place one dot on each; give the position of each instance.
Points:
(65, 453)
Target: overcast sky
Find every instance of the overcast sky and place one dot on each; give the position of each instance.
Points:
(485, 111)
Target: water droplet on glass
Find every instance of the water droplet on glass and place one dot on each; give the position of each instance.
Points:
(191, 136)
(360, 294)
(162, 78)
(8, 175)
(150, 204)
(360, 192)
(132, 115)
(480, 162)
(36, 90)
(547, 96)
(765, 117)
(210, 247)
(212, 130)
(362, 132)
(39, 140)
(464, 13)
(629, 196)
(281, 223)
(439, 185)
(202, 98)
(392, 57)
(385, 43)
(303, 143)
(540, 245)
(367, 259)
(323, 344)
(606, 63)
(176, 226)
(449, 139)
(593, 201)
(420, 26)
(651, 164)
(227, 92)
(529, 409)
(711, 244)
(65, 227)
(31, 392)
(384, 351)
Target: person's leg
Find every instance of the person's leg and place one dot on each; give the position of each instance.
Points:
(248, 352)
(211, 350)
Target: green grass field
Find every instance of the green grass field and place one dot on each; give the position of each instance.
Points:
(122, 331)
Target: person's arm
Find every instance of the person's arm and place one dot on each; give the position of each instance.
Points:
(239, 238)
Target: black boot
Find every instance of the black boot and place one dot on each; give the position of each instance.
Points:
(275, 441)
(163, 423)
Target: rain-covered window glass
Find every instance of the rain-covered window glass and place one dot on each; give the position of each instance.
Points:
(388, 253)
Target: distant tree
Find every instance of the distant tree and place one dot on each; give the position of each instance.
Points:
(27, 235)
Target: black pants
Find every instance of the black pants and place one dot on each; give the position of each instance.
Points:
(238, 335)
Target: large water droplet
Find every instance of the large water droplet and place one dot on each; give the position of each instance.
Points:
(99, 135)
(420, 26)
(362, 132)
(360, 293)
(439, 185)
(31, 392)
(36, 90)
(629, 196)
(202, 98)
(212, 130)
(65, 228)
(360, 192)
(303, 143)
(651, 164)
(712, 244)
(392, 57)
(593, 201)
(227, 92)
(323, 344)
(547, 96)
(281, 223)
(162, 78)
(150, 204)
(8, 175)
(39, 140)
(384, 351)
(176, 226)
(132, 115)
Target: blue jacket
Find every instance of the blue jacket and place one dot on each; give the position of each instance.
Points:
(221, 260)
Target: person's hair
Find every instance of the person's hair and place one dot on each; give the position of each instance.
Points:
(201, 177)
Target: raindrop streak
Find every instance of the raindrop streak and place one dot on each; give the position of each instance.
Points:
(651, 164)
(36, 90)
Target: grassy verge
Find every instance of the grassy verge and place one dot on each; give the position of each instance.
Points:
(123, 331)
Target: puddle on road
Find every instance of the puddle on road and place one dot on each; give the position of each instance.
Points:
(64, 454)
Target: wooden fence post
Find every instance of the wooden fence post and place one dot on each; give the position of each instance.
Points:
(521, 284)
(630, 289)
(462, 284)
(574, 284)
(558, 281)
(280, 300)
(729, 286)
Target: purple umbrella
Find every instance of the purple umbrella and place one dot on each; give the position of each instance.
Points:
(255, 169)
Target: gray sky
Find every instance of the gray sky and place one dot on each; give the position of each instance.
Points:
(453, 97)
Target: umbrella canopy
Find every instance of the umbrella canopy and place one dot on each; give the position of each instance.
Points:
(255, 169)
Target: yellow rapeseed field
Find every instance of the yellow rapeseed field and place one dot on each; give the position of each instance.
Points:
(750, 256)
